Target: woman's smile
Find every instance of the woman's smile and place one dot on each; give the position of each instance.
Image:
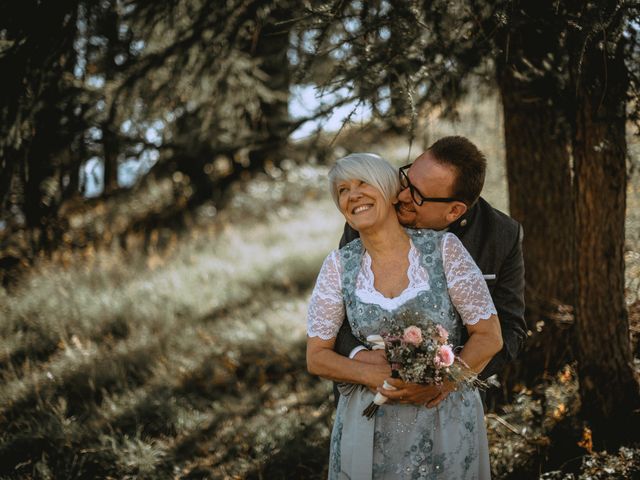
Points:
(361, 208)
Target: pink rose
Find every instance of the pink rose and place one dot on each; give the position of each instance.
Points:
(444, 357)
(412, 335)
(442, 333)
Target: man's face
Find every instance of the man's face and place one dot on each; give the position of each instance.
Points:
(431, 179)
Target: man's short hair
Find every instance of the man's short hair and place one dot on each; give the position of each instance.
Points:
(469, 163)
(369, 168)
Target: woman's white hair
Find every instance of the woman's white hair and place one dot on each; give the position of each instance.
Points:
(366, 167)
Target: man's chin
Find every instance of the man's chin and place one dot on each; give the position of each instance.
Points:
(406, 218)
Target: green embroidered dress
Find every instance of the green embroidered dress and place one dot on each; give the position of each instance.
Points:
(405, 441)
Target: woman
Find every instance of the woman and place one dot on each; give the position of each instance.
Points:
(387, 276)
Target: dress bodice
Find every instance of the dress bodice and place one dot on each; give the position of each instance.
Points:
(421, 302)
(443, 281)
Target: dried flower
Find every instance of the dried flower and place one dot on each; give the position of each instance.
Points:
(443, 334)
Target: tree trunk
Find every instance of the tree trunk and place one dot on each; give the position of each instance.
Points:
(110, 146)
(70, 178)
(608, 389)
(539, 174)
(7, 166)
(110, 152)
(271, 46)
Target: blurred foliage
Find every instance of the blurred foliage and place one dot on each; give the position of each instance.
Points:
(195, 91)
(428, 50)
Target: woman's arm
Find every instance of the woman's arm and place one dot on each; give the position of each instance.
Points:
(485, 340)
(323, 361)
(325, 316)
(471, 298)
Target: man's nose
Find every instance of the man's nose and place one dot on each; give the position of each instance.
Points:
(405, 195)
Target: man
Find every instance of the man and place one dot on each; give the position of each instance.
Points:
(441, 190)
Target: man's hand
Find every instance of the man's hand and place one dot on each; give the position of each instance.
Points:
(378, 359)
(427, 395)
(375, 357)
(375, 374)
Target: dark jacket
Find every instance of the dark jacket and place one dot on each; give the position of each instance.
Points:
(494, 240)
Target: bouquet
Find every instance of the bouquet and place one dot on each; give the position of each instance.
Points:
(420, 355)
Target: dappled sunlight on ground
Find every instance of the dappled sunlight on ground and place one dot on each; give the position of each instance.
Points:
(147, 366)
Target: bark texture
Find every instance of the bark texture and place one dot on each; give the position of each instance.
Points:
(608, 388)
(537, 140)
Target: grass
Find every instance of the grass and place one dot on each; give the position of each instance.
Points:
(130, 367)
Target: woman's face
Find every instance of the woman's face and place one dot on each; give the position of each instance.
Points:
(363, 205)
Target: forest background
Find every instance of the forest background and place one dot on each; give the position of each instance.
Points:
(165, 212)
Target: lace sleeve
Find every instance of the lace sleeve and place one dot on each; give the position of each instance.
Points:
(326, 307)
(467, 287)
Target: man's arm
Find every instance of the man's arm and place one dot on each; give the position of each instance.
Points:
(346, 342)
(508, 297)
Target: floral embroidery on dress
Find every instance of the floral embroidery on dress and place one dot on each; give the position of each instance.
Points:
(334, 458)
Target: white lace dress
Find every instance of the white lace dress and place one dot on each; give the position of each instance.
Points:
(445, 286)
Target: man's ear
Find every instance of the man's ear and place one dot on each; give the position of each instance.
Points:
(457, 210)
